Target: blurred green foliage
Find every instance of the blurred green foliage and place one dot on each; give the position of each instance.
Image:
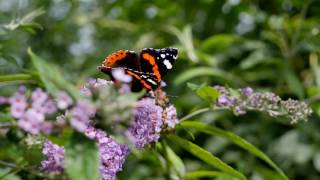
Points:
(268, 45)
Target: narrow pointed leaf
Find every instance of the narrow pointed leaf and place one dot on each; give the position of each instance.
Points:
(205, 156)
(199, 126)
(202, 174)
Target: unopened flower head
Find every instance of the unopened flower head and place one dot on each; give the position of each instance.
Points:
(248, 91)
(267, 102)
(297, 110)
(171, 119)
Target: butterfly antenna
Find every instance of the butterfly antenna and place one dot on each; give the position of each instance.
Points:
(173, 96)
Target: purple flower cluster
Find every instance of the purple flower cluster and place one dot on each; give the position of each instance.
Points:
(81, 114)
(149, 120)
(240, 101)
(112, 154)
(54, 157)
(147, 123)
(31, 113)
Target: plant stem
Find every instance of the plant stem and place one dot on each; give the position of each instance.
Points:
(15, 77)
(200, 111)
(297, 31)
(11, 165)
(6, 125)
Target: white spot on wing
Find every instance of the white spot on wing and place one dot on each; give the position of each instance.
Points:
(163, 55)
(151, 81)
(167, 64)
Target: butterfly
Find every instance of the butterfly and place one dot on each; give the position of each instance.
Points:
(147, 68)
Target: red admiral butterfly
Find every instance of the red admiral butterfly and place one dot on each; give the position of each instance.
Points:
(147, 69)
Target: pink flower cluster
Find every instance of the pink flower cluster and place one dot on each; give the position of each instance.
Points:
(31, 111)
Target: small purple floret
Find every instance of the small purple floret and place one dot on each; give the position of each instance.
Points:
(248, 91)
(81, 114)
(64, 100)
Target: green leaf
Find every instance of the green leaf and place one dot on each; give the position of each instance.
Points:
(82, 159)
(6, 175)
(208, 93)
(26, 20)
(51, 76)
(175, 161)
(233, 138)
(134, 96)
(314, 64)
(202, 174)
(44, 72)
(4, 117)
(186, 40)
(219, 42)
(226, 177)
(193, 87)
(292, 80)
(205, 71)
(16, 78)
(205, 156)
(266, 173)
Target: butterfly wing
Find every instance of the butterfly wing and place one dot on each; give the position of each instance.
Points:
(147, 70)
(158, 61)
(121, 59)
(148, 61)
(166, 59)
(147, 80)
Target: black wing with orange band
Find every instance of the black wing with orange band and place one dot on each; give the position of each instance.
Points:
(121, 59)
(147, 70)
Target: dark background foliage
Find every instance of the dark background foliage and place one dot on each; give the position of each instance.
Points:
(268, 45)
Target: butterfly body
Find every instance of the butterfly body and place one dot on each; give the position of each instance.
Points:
(147, 69)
